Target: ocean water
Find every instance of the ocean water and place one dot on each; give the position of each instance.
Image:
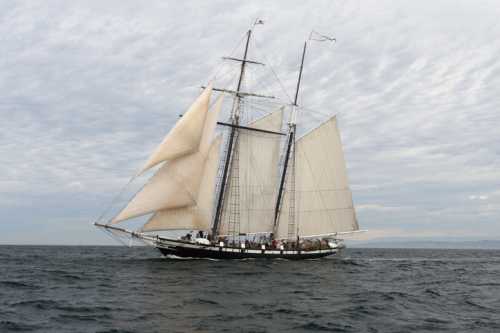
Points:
(119, 289)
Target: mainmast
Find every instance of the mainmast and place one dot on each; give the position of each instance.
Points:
(290, 152)
(235, 115)
(289, 147)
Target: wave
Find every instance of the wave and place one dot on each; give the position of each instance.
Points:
(95, 317)
(86, 309)
(17, 285)
(199, 300)
(7, 325)
(316, 327)
(41, 304)
(432, 292)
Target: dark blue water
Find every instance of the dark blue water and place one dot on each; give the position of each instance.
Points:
(118, 289)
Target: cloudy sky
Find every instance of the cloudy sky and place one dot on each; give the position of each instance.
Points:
(88, 88)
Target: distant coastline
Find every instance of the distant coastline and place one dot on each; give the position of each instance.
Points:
(426, 244)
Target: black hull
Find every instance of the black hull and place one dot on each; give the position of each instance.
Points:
(227, 253)
(204, 249)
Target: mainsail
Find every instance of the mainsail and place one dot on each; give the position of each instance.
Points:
(257, 172)
(176, 184)
(323, 198)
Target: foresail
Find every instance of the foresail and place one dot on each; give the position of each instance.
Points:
(323, 198)
(207, 138)
(176, 184)
(185, 137)
(257, 167)
(199, 215)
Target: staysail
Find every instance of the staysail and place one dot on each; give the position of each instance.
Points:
(199, 215)
(185, 137)
(176, 184)
(257, 169)
(323, 200)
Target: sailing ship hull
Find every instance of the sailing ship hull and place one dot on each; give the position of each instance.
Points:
(187, 250)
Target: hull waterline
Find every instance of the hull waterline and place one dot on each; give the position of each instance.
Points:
(173, 248)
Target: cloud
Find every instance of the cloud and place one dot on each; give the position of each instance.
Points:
(478, 197)
(87, 90)
(381, 208)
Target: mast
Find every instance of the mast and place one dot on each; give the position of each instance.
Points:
(235, 121)
(290, 144)
(300, 75)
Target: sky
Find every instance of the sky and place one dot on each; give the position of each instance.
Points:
(88, 88)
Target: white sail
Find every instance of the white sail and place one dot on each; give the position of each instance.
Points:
(210, 125)
(185, 137)
(176, 184)
(199, 215)
(258, 155)
(323, 198)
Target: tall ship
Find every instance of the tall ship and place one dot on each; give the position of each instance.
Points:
(238, 187)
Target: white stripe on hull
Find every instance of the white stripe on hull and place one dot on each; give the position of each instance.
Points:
(180, 248)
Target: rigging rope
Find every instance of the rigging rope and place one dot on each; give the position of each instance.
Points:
(290, 100)
(114, 200)
(215, 73)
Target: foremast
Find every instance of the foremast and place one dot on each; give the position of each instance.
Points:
(228, 160)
